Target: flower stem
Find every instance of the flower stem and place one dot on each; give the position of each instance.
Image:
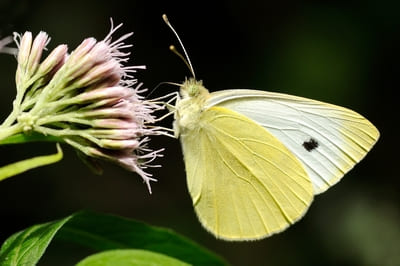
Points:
(6, 132)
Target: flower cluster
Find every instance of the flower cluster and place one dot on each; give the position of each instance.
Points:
(88, 99)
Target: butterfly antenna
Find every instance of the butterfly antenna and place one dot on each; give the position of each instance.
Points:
(185, 58)
(162, 83)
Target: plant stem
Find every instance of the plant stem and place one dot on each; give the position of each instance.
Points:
(6, 132)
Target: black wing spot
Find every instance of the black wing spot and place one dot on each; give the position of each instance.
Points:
(310, 144)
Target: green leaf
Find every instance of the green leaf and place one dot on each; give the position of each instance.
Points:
(27, 247)
(130, 257)
(25, 165)
(104, 232)
(31, 137)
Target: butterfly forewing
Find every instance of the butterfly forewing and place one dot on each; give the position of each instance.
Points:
(328, 139)
(244, 182)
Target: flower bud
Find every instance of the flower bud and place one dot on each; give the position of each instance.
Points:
(106, 93)
(100, 73)
(53, 60)
(129, 144)
(24, 49)
(38, 45)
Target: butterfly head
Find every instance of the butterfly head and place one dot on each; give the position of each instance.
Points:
(192, 88)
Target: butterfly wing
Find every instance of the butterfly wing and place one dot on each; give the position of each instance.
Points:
(328, 139)
(244, 183)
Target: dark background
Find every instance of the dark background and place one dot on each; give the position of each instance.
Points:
(343, 53)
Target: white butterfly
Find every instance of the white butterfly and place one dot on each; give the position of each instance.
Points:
(255, 159)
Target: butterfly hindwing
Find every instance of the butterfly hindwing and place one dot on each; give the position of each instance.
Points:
(328, 139)
(245, 184)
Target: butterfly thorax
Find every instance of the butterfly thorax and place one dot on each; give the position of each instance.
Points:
(190, 106)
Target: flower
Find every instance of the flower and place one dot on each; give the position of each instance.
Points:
(3, 46)
(88, 99)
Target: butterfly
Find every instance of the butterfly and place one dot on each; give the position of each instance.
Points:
(254, 159)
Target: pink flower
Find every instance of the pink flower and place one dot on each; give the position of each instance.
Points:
(88, 99)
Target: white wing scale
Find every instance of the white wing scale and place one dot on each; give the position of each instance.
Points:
(341, 137)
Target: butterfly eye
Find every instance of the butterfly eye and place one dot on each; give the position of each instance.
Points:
(193, 91)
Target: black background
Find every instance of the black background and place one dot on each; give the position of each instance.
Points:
(344, 53)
